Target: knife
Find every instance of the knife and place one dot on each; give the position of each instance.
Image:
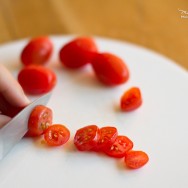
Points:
(14, 130)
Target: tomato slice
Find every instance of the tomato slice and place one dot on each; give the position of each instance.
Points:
(136, 159)
(39, 120)
(37, 79)
(78, 52)
(107, 136)
(121, 145)
(110, 69)
(86, 138)
(131, 99)
(37, 51)
(56, 135)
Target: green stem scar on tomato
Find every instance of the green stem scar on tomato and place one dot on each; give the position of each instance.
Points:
(36, 79)
(56, 135)
(40, 119)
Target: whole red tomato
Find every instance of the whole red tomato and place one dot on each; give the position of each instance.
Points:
(36, 79)
(37, 51)
(110, 69)
(78, 52)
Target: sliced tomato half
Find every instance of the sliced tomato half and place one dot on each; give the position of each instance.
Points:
(107, 136)
(56, 135)
(40, 119)
(120, 147)
(86, 138)
(136, 159)
(131, 99)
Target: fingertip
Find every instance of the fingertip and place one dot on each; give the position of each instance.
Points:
(11, 90)
(24, 100)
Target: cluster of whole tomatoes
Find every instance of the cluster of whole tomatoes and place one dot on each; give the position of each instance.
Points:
(110, 70)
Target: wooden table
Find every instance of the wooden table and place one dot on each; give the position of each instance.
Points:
(160, 25)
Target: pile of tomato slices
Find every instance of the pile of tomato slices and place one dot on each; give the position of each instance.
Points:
(109, 69)
(107, 140)
(89, 138)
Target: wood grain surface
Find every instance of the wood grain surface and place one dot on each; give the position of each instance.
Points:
(161, 25)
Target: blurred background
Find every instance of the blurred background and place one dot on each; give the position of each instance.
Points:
(161, 25)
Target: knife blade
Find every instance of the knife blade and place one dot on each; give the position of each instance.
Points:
(14, 130)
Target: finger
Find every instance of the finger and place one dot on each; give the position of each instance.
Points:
(4, 120)
(11, 89)
(8, 109)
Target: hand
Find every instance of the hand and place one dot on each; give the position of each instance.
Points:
(12, 97)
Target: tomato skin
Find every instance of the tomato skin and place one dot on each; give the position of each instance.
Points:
(131, 99)
(136, 159)
(86, 138)
(56, 135)
(107, 136)
(37, 51)
(121, 145)
(110, 69)
(39, 120)
(78, 52)
(36, 79)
